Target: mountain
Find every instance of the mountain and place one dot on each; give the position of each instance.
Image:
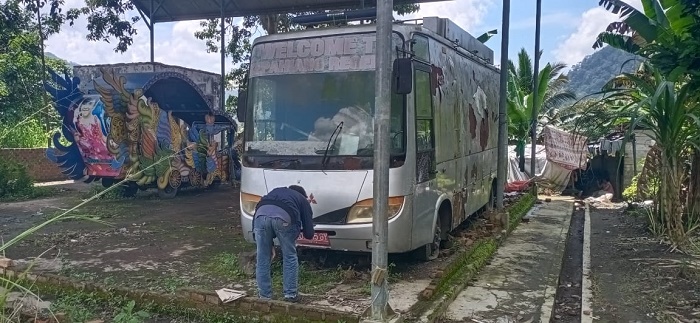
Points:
(51, 55)
(590, 75)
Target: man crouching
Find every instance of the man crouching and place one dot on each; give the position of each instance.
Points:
(282, 213)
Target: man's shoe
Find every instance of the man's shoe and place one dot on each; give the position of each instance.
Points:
(295, 299)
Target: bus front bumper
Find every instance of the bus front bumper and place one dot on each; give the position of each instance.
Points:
(353, 237)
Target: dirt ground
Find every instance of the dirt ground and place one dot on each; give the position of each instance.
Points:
(149, 243)
(635, 278)
(191, 241)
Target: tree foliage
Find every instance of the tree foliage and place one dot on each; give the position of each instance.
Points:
(23, 103)
(664, 97)
(667, 32)
(552, 92)
(590, 75)
(669, 112)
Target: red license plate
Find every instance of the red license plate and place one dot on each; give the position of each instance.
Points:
(319, 239)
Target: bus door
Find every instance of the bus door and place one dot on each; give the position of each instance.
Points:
(426, 193)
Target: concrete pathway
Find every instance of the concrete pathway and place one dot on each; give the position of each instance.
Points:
(520, 283)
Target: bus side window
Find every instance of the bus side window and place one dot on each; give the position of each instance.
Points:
(420, 48)
(425, 134)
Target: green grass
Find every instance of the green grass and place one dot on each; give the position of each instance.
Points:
(113, 194)
(225, 265)
(172, 284)
(78, 307)
(36, 193)
(312, 281)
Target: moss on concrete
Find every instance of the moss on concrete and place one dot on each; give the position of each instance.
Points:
(466, 266)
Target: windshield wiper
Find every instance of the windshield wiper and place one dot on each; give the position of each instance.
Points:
(290, 160)
(326, 159)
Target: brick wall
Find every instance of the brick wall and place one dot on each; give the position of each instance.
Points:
(40, 168)
(644, 143)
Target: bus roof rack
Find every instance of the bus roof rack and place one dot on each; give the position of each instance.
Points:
(338, 16)
(460, 37)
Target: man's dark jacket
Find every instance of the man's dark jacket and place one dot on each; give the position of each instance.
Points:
(295, 204)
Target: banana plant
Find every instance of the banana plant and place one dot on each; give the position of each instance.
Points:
(670, 112)
(666, 31)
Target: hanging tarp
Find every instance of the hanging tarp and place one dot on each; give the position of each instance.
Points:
(561, 153)
(565, 149)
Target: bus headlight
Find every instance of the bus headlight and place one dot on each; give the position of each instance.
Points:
(362, 211)
(248, 202)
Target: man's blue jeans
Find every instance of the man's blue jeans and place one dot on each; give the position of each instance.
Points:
(266, 229)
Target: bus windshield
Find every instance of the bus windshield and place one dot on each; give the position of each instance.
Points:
(302, 114)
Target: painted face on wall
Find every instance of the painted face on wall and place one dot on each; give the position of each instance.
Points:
(86, 107)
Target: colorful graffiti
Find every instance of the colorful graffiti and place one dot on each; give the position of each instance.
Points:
(90, 131)
(121, 133)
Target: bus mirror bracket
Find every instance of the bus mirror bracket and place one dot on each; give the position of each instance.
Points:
(241, 106)
(403, 76)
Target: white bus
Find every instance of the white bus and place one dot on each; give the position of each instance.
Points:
(308, 116)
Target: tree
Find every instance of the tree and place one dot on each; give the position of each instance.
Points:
(594, 71)
(23, 105)
(590, 118)
(553, 96)
(670, 112)
(553, 92)
(667, 32)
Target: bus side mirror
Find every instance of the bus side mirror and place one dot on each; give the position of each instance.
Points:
(241, 106)
(403, 76)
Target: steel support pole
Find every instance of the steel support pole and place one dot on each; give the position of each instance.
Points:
(151, 28)
(502, 109)
(535, 92)
(382, 103)
(43, 72)
(634, 153)
(223, 60)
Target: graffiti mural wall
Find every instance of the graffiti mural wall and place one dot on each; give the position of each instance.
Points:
(154, 124)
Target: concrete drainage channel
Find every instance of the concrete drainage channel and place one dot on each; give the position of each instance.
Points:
(573, 287)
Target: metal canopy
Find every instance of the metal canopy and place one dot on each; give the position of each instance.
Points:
(159, 11)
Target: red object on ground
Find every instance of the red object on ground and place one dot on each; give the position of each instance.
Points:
(517, 186)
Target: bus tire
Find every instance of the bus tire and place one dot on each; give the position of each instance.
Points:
(167, 193)
(430, 251)
(129, 189)
(107, 182)
(447, 243)
(492, 198)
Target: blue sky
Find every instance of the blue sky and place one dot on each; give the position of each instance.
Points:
(568, 31)
(559, 20)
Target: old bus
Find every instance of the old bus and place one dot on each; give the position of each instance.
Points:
(308, 115)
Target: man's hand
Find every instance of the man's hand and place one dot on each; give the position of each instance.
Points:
(311, 199)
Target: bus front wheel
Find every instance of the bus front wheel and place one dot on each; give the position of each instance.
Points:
(431, 250)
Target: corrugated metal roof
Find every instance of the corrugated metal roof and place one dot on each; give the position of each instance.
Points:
(179, 10)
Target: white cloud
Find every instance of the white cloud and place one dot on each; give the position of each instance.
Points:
(468, 14)
(580, 43)
(175, 42)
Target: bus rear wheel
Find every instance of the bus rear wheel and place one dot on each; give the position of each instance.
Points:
(167, 193)
(129, 189)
